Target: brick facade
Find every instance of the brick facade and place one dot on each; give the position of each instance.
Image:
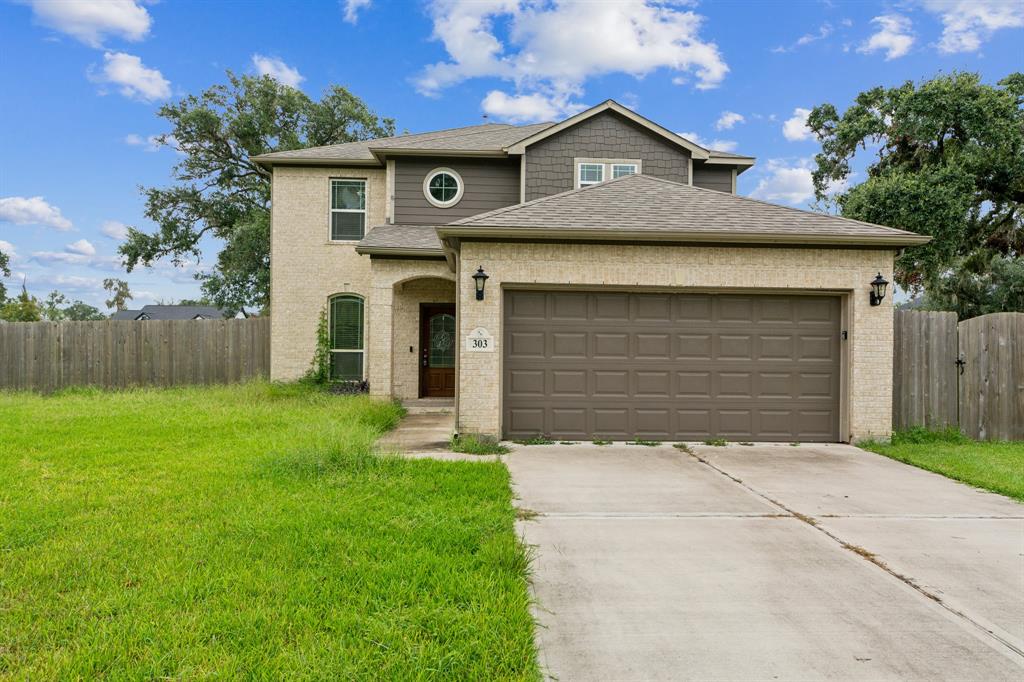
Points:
(867, 381)
(306, 267)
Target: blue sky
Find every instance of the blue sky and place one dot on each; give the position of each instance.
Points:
(82, 80)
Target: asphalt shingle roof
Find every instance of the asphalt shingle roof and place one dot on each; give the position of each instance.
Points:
(486, 137)
(402, 237)
(641, 203)
(171, 312)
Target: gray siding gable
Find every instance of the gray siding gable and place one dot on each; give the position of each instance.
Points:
(549, 162)
(713, 177)
(489, 184)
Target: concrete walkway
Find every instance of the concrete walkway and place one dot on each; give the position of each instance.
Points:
(426, 428)
(768, 562)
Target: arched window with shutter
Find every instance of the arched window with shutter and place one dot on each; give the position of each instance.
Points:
(346, 327)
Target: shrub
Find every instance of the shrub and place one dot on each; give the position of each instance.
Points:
(472, 444)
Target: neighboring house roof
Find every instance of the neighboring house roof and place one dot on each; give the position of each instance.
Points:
(644, 208)
(125, 315)
(172, 312)
(399, 240)
(488, 138)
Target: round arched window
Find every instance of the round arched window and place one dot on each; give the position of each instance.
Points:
(443, 187)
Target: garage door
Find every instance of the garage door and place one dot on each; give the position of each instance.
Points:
(617, 365)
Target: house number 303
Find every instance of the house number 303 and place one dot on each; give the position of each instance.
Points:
(479, 341)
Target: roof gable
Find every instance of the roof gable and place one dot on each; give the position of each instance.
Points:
(641, 207)
(695, 150)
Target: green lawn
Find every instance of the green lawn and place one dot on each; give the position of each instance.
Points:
(994, 466)
(247, 531)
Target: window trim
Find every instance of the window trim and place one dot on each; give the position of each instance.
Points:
(362, 332)
(331, 210)
(579, 173)
(458, 193)
(606, 174)
(634, 166)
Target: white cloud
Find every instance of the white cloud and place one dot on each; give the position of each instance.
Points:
(82, 247)
(551, 49)
(894, 35)
(790, 182)
(136, 80)
(150, 143)
(352, 9)
(719, 145)
(92, 21)
(114, 230)
(522, 108)
(968, 23)
(68, 257)
(728, 120)
(32, 211)
(786, 184)
(277, 69)
(8, 248)
(795, 128)
(824, 31)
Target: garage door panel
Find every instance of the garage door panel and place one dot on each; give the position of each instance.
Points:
(526, 344)
(685, 366)
(735, 347)
(610, 345)
(653, 346)
(693, 385)
(526, 383)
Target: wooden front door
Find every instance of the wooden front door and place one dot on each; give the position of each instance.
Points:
(437, 350)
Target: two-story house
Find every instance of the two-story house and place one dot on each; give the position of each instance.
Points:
(595, 277)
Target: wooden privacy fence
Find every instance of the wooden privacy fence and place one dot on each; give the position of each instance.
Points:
(46, 356)
(969, 375)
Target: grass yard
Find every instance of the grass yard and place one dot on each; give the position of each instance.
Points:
(247, 531)
(998, 467)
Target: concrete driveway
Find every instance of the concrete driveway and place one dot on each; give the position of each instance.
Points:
(767, 562)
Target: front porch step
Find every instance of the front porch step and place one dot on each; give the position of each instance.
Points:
(429, 406)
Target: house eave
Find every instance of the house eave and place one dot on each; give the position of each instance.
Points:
(723, 238)
(269, 163)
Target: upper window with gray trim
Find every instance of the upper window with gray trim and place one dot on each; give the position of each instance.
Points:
(348, 209)
(443, 187)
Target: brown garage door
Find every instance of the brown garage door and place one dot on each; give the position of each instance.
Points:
(618, 365)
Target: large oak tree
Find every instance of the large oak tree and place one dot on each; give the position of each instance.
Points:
(219, 191)
(947, 161)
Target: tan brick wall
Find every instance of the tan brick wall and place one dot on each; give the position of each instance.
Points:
(395, 294)
(405, 320)
(306, 268)
(867, 398)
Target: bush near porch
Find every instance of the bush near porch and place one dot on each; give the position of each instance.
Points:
(248, 531)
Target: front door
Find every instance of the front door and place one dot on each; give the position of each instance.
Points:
(437, 350)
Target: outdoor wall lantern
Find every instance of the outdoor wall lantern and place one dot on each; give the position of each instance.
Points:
(480, 279)
(878, 286)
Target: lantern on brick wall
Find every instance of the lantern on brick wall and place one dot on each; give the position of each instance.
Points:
(480, 279)
(878, 286)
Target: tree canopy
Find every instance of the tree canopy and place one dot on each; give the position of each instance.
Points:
(5, 271)
(947, 161)
(220, 192)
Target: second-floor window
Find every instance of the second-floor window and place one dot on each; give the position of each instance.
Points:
(348, 209)
(620, 169)
(591, 174)
(593, 171)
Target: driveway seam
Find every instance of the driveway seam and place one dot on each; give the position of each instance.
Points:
(867, 556)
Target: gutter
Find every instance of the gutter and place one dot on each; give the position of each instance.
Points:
(661, 237)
